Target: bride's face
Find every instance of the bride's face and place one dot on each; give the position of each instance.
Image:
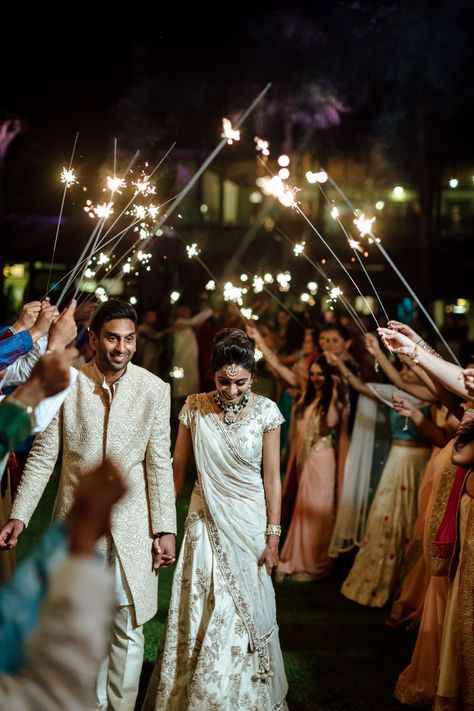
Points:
(232, 382)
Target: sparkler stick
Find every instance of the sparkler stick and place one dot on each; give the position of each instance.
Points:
(67, 183)
(348, 306)
(398, 273)
(74, 271)
(300, 211)
(210, 158)
(349, 239)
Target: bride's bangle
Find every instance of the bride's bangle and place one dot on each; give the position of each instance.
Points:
(273, 529)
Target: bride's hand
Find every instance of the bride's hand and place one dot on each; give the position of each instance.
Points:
(270, 554)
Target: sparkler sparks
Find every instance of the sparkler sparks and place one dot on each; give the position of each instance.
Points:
(193, 250)
(68, 177)
(228, 132)
(262, 146)
(299, 248)
(334, 294)
(335, 213)
(144, 186)
(211, 285)
(364, 224)
(177, 372)
(116, 184)
(258, 284)
(174, 297)
(103, 210)
(354, 244)
(248, 314)
(283, 280)
(233, 293)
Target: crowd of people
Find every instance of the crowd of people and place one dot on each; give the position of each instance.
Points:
(359, 445)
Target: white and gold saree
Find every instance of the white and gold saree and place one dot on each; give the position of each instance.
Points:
(221, 650)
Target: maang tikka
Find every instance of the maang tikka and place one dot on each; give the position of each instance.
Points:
(232, 370)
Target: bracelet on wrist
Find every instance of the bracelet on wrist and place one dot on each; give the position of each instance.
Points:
(414, 355)
(273, 529)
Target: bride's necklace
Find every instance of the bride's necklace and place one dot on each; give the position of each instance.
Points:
(231, 410)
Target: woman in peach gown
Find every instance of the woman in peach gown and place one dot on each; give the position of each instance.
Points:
(305, 552)
(408, 607)
(416, 685)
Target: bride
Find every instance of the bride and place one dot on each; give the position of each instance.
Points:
(221, 649)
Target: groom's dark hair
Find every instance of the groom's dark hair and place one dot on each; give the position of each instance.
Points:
(110, 310)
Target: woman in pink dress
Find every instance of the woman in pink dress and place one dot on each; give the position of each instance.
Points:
(305, 553)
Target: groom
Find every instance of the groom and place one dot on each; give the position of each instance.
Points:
(118, 410)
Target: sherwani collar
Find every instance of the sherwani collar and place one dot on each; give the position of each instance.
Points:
(92, 371)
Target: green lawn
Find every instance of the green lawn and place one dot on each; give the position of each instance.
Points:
(338, 656)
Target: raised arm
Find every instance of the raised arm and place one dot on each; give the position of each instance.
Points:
(434, 434)
(349, 376)
(419, 391)
(271, 357)
(449, 374)
(332, 417)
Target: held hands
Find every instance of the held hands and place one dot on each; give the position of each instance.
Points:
(9, 534)
(269, 556)
(163, 550)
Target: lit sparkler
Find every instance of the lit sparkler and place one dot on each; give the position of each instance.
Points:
(354, 244)
(193, 250)
(364, 224)
(262, 146)
(68, 177)
(299, 248)
(211, 285)
(233, 293)
(115, 185)
(228, 132)
(177, 372)
(103, 210)
(174, 296)
(144, 186)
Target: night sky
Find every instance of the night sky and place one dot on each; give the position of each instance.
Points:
(157, 74)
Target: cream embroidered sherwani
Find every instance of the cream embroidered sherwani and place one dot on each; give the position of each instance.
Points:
(132, 428)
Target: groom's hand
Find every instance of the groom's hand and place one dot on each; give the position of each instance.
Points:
(164, 550)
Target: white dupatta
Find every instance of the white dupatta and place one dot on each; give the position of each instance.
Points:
(236, 518)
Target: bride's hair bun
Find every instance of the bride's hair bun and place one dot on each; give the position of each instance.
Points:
(231, 345)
